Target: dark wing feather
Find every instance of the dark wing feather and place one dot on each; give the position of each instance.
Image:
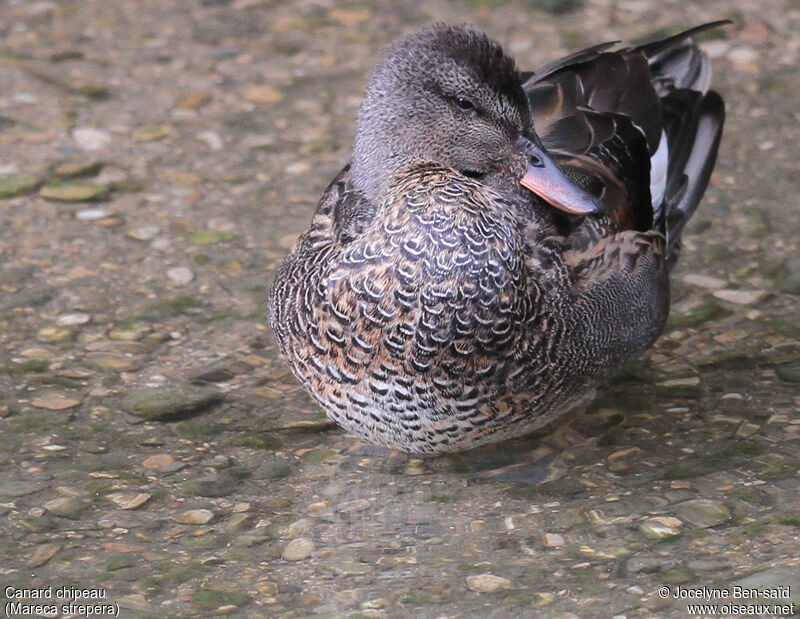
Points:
(603, 113)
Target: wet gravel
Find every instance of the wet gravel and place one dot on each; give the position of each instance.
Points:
(158, 159)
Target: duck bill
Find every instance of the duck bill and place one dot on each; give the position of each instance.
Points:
(544, 178)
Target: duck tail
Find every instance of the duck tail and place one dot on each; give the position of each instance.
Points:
(693, 120)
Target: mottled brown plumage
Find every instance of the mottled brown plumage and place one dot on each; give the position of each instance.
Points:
(434, 304)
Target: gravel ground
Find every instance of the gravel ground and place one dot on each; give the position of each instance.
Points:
(158, 159)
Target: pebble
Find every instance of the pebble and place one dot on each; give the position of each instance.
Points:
(704, 281)
(350, 507)
(113, 362)
(789, 372)
(55, 402)
(298, 549)
(487, 583)
(89, 138)
(159, 461)
(256, 93)
(787, 275)
(299, 528)
(43, 554)
(193, 100)
(129, 332)
(91, 214)
(180, 275)
(170, 403)
(703, 512)
(143, 233)
(194, 516)
(55, 334)
(66, 507)
(129, 500)
(553, 540)
(213, 139)
(740, 297)
(12, 185)
(661, 527)
(73, 191)
(213, 485)
(73, 319)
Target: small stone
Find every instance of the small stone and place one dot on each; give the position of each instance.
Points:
(415, 467)
(747, 429)
(89, 138)
(740, 297)
(487, 583)
(43, 554)
(77, 168)
(91, 214)
(194, 516)
(238, 522)
(789, 372)
(143, 233)
(55, 402)
(129, 332)
(180, 275)
(159, 461)
(193, 100)
(351, 507)
(787, 275)
(10, 488)
(553, 540)
(661, 527)
(73, 319)
(298, 549)
(73, 191)
(703, 512)
(66, 507)
(208, 237)
(214, 485)
(222, 602)
(55, 334)
(213, 140)
(129, 500)
(681, 387)
(169, 403)
(260, 94)
(704, 281)
(299, 528)
(113, 362)
(17, 184)
(151, 133)
(375, 604)
(648, 565)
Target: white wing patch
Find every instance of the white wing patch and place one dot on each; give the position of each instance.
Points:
(658, 174)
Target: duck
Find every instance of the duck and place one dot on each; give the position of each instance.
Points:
(500, 242)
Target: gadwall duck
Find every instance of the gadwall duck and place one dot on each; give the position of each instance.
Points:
(500, 242)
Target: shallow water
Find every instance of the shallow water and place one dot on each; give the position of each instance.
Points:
(156, 448)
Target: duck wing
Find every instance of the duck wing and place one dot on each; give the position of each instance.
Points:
(637, 127)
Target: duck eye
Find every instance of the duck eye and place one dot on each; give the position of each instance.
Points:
(464, 104)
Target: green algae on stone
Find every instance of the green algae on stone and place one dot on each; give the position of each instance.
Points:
(214, 485)
(169, 403)
(694, 313)
(787, 275)
(208, 237)
(73, 191)
(55, 334)
(789, 373)
(212, 599)
(12, 185)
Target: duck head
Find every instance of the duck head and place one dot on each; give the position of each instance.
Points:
(450, 95)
